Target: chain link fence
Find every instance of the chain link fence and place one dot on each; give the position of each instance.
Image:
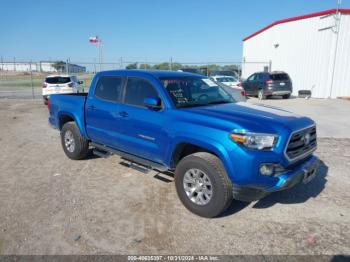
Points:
(24, 79)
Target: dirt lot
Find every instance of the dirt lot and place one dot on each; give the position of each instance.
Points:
(52, 205)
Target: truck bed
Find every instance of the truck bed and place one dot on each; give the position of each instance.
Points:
(69, 104)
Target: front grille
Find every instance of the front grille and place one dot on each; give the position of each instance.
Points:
(301, 143)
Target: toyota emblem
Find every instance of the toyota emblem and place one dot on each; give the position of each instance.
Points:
(306, 139)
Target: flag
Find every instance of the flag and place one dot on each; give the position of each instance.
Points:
(94, 40)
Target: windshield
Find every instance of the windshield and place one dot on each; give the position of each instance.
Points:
(191, 91)
(57, 80)
(226, 79)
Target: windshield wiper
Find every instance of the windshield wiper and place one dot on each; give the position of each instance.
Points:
(206, 104)
(219, 102)
(190, 105)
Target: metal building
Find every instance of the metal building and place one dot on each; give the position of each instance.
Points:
(314, 49)
(42, 66)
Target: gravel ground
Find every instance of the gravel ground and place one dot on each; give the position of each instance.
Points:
(52, 205)
(20, 92)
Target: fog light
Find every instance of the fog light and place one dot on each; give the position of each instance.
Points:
(270, 169)
(266, 169)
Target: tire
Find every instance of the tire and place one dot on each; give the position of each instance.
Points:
(286, 96)
(261, 95)
(80, 147)
(221, 186)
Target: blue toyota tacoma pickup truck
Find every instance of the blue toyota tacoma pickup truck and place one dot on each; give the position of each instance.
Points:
(218, 149)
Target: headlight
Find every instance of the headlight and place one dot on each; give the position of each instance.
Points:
(251, 140)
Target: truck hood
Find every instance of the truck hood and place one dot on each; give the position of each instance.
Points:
(255, 117)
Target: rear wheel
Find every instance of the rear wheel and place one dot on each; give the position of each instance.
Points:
(75, 146)
(261, 95)
(203, 185)
(286, 96)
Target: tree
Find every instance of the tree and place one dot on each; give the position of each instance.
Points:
(59, 66)
(145, 66)
(162, 66)
(176, 66)
(131, 66)
(231, 67)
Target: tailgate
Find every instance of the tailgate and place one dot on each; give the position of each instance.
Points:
(281, 85)
(281, 81)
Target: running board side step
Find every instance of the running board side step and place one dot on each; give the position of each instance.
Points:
(103, 150)
(101, 153)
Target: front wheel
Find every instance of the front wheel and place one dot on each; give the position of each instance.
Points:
(286, 96)
(203, 185)
(75, 146)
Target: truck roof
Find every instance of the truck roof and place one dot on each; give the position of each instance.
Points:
(155, 73)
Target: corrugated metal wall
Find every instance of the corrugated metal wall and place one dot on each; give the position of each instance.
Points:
(341, 82)
(305, 49)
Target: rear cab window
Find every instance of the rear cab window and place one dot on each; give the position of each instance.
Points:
(109, 88)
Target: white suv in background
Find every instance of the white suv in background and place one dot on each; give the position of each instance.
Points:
(61, 84)
(230, 81)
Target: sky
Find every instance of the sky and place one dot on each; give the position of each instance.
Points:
(140, 30)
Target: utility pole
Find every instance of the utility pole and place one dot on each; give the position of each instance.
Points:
(94, 65)
(2, 66)
(171, 64)
(99, 43)
(67, 70)
(121, 62)
(31, 78)
(337, 20)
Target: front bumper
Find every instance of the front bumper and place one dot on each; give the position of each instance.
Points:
(302, 173)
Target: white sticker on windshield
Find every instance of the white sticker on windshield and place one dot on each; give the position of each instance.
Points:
(209, 82)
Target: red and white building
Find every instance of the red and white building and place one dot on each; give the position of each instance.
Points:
(314, 49)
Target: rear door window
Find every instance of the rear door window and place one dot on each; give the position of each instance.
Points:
(279, 77)
(109, 88)
(57, 80)
(262, 76)
(137, 90)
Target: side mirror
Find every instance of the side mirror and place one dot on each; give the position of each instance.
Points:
(153, 103)
(80, 82)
